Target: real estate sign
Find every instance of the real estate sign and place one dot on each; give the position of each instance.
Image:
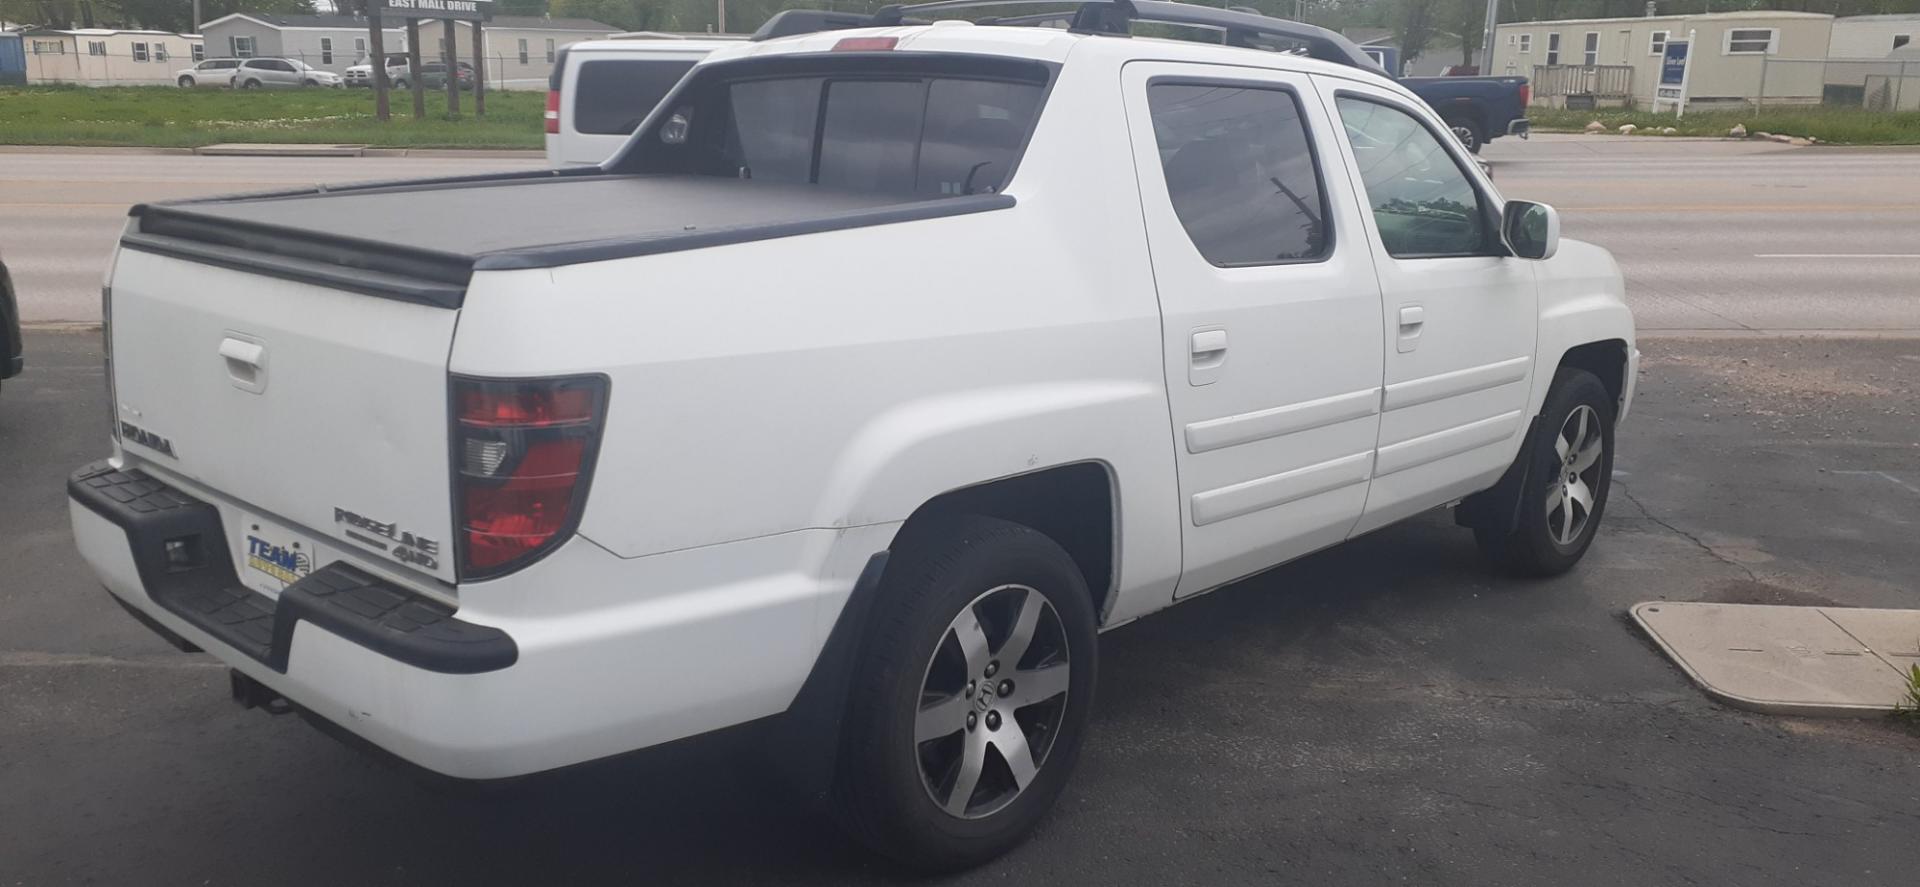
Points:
(458, 10)
(1673, 75)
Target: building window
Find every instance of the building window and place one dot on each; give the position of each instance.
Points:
(1553, 49)
(1750, 41)
(1900, 40)
(359, 47)
(1526, 43)
(1592, 52)
(199, 51)
(1657, 45)
(549, 50)
(523, 50)
(242, 46)
(139, 52)
(159, 52)
(1513, 40)
(49, 47)
(96, 47)
(326, 50)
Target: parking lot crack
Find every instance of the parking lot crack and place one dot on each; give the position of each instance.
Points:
(1696, 540)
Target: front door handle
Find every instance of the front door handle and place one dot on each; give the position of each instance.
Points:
(1413, 319)
(1207, 351)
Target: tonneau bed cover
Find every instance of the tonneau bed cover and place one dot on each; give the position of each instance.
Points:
(422, 241)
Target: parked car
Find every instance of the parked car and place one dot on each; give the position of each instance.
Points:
(600, 90)
(362, 74)
(880, 372)
(1477, 109)
(433, 75)
(281, 74)
(12, 350)
(210, 73)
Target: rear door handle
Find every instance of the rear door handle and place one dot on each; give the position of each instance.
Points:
(1413, 319)
(246, 363)
(1207, 351)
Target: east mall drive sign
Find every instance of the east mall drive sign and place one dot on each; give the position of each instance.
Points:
(459, 10)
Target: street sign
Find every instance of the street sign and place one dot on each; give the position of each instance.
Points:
(456, 10)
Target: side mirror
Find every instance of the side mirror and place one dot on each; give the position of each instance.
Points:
(1530, 230)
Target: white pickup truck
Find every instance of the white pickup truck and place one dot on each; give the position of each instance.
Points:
(878, 373)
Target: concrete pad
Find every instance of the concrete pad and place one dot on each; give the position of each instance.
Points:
(240, 149)
(1819, 661)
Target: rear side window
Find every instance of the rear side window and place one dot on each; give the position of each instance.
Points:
(869, 126)
(611, 97)
(1240, 172)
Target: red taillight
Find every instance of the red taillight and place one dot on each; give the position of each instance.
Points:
(1526, 95)
(865, 44)
(523, 451)
(553, 111)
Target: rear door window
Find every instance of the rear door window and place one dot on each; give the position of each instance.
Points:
(1240, 172)
(611, 97)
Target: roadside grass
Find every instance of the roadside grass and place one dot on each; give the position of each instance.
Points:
(1839, 126)
(170, 117)
(1907, 711)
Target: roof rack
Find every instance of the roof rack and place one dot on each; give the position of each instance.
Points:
(1113, 18)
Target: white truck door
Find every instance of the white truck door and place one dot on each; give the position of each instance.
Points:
(1460, 316)
(1271, 312)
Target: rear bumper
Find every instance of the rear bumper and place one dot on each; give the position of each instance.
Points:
(1521, 127)
(200, 587)
(581, 656)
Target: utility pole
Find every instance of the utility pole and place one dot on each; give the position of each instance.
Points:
(722, 13)
(196, 16)
(1486, 38)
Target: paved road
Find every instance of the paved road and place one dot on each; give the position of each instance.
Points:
(1712, 234)
(62, 211)
(1733, 236)
(1381, 713)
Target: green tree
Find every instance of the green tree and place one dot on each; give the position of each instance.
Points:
(1413, 26)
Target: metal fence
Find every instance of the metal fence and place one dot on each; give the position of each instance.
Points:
(162, 63)
(1582, 86)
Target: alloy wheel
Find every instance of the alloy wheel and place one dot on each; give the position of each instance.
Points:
(1578, 447)
(991, 701)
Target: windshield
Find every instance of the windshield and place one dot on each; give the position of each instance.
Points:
(934, 127)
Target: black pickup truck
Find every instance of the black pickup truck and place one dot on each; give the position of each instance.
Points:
(1479, 109)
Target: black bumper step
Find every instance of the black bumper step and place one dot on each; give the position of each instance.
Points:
(179, 547)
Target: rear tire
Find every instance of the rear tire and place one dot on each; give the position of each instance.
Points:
(1469, 132)
(952, 753)
(1566, 487)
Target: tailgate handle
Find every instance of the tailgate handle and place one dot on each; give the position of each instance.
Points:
(246, 364)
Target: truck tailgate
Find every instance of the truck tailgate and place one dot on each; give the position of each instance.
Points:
(320, 411)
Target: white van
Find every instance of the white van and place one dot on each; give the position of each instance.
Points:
(601, 89)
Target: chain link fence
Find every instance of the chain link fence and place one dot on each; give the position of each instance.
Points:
(1871, 84)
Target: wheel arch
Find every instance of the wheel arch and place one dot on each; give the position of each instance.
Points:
(1076, 504)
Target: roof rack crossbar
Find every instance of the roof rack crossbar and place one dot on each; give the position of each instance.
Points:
(1110, 17)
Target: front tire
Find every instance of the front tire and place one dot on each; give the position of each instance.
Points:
(1566, 487)
(251, 84)
(971, 696)
(186, 83)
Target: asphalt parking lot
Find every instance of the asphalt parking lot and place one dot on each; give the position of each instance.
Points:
(1383, 712)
